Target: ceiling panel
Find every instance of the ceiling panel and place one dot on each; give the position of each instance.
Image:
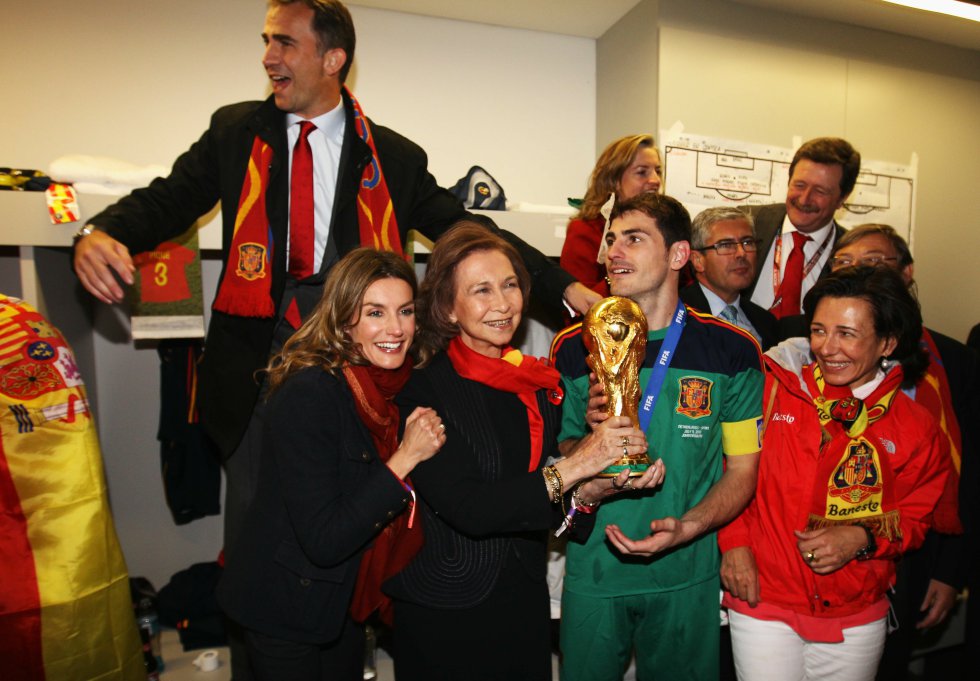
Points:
(592, 18)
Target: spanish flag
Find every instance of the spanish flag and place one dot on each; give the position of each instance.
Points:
(65, 608)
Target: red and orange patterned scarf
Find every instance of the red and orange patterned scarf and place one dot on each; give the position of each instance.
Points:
(246, 286)
(857, 480)
(932, 392)
(512, 373)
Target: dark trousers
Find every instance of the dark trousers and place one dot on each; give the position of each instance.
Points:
(274, 659)
(241, 478)
(506, 637)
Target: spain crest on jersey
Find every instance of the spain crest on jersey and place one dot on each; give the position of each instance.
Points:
(251, 261)
(694, 400)
(857, 476)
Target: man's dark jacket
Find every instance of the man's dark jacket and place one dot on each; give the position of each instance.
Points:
(763, 320)
(213, 170)
(768, 221)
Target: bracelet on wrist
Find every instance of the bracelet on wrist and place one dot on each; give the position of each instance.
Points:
(579, 504)
(868, 551)
(556, 485)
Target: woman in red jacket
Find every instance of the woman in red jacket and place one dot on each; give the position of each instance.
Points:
(627, 167)
(850, 473)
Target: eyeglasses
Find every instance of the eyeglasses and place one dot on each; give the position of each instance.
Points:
(869, 260)
(730, 246)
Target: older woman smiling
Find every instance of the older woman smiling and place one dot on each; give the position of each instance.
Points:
(474, 603)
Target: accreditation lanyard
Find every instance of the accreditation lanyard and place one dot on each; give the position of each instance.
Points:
(807, 268)
(659, 372)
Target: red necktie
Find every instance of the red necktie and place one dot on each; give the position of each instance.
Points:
(301, 205)
(792, 284)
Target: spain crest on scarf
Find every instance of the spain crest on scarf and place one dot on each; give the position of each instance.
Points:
(856, 479)
(251, 261)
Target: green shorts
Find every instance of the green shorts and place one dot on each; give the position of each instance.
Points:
(674, 634)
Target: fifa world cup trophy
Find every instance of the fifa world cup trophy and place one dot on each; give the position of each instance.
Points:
(615, 334)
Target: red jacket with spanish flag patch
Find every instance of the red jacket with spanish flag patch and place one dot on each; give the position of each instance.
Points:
(788, 479)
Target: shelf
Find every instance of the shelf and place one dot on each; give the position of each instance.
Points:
(24, 221)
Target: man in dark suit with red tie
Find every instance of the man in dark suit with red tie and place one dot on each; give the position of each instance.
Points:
(302, 178)
(821, 177)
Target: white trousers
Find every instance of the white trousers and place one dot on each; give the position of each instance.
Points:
(772, 651)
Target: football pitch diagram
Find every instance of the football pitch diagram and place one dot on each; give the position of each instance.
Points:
(703, 172)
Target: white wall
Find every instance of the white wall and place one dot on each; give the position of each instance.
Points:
(138, 79)
(626, 89)
(519, 103)
(733, 71)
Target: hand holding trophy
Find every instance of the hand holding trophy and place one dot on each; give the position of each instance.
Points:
(615, 334)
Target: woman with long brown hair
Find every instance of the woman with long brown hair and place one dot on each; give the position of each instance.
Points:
(332, 515)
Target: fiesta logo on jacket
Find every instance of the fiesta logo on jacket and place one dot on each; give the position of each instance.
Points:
(694, 400)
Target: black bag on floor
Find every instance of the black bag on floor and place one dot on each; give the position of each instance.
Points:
(189, 605)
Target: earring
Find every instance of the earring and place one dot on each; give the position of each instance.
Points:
(883, 363)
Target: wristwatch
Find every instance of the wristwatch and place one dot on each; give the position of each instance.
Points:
(867, 552)
(82, 233)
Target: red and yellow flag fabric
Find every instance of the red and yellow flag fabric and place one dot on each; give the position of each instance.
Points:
(65, 607)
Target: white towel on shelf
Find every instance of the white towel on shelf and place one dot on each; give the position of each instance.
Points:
(528, 207)
(102, 175)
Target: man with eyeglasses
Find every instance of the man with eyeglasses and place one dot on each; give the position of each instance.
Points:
(822, 175)
(930, 578)
(724, 249)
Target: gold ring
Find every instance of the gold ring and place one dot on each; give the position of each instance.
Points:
(442, 426)
(626, 440)
(628, 484)
(809, 556)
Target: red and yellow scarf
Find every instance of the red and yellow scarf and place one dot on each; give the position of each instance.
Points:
(932, 392)
(246, 285)
(512, 373)
(374, 391)
(857, 488)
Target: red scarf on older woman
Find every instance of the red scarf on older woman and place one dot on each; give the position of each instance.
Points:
(512, 373)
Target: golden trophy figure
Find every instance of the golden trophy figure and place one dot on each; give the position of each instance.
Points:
(615, 334)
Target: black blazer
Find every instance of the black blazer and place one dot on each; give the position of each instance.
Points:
(763, 320)
(213, 170)
(480, 505)
(768, 223)
(322, 495)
